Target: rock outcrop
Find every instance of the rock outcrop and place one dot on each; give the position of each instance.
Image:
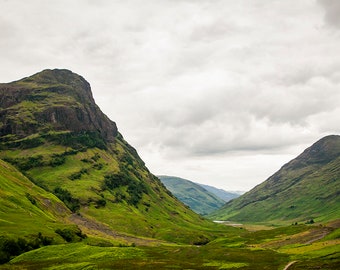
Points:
(52, 100)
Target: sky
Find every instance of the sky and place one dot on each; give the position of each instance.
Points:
(219, 92)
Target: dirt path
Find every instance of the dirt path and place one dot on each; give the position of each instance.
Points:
(319, 236)
(289, 265)
(93, 227)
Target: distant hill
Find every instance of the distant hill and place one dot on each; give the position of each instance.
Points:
(308, 187)
(195, 196)
(221, 193)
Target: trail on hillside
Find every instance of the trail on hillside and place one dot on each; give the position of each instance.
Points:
(307, 237)
(96, 228)
(289, 265)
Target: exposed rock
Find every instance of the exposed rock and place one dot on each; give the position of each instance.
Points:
(52, 100)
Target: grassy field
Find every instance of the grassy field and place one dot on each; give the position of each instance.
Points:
(269, 249)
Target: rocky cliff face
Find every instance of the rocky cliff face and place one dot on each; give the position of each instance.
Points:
(52, 100)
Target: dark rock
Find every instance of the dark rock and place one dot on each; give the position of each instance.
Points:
(52, 100)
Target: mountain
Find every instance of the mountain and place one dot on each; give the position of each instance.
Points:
(306, 188)
(196, 197)
(221, 193)
(74, 168)
(75, 195)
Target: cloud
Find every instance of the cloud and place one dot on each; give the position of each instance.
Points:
(332, 11)
(195, 81)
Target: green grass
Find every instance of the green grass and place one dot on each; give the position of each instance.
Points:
(76, 256)
(18, 215)
(242, 250)
(223, 253)
(157, 214)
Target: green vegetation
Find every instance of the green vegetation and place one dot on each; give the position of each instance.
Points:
(77, 140)
(75, 195)
(64, 195)
(240, 250)
(71, 235)
(10, 248)
(222, 194)
(305, 189)
(193, 195)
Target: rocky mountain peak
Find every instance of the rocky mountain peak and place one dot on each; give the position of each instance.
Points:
(51, 100)
(321, 152)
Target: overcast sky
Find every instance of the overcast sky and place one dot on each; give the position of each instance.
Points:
(220, 92)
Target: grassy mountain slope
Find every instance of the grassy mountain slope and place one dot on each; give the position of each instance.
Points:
(305, 188)
(26, 209)
(221, 193)
(52, 131)
(196, 197)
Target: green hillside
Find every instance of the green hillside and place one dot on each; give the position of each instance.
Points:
(29, 215)
(53, 132)
(24, 204)
(75, 195)
(196, 197)
(306, 188)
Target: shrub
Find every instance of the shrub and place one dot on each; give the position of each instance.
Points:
(31, 199)
(25, 164)
(98, 166)
(64, 195)
(311, 221)
(112, 181)
(57, 160)
(78, 140)
(100, 203)
(71, 235)
(85, 160)
(25, 144)
(201, 241)
(77, 175)
(96, 157)
(134, 188)
(11, 247)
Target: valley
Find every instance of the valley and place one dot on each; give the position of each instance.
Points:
(74, 194)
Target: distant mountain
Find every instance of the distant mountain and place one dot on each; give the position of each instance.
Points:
(221, 193)
(192, 194)
(308, 187)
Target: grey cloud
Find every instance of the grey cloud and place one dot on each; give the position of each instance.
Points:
(332, 11)
(195, 81)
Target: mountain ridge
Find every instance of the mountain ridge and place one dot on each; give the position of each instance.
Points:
(192, 194)
(221, 193)
(301, 189)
